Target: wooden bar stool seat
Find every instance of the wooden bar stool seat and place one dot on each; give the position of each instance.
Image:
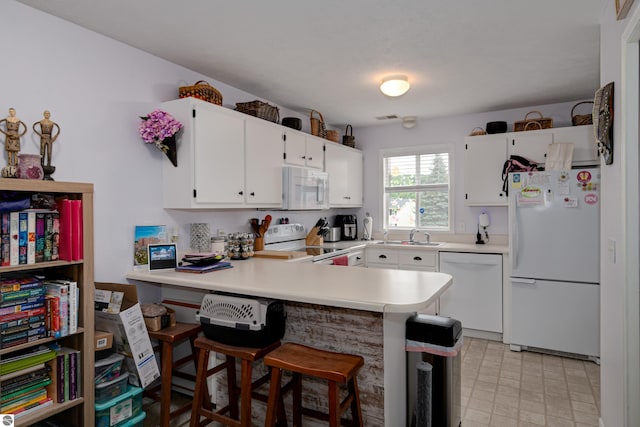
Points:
(167, 338)
(201, 402)
(336, 368)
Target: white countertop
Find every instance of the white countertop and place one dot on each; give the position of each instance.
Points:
(378, 290)
(443, 247)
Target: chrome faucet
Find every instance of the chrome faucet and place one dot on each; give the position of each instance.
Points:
(428, 236)
(411, 234)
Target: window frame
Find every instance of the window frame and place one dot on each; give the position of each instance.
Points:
(449, 149)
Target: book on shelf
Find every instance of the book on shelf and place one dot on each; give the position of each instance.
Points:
(21, 296)
(60, 290)
(77, 252)
(65, 373)
(14, 232)
(44, 403)
(24, 317)
(23, 236)
(55, 236)
(25, 336)
(25, 378)
(23, 400)
(19, 283)
(64, 241)
(25, 359)
(16, 308)
(31, 236)
(5, 239)
(73, 293)
(40, 236)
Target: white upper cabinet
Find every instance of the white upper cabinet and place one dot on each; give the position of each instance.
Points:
(263, 163)
(484, 157)
(346, 175)
(531, 145)
(303, 150)
(220, 165)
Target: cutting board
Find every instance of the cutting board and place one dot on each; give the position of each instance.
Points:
(279, 254)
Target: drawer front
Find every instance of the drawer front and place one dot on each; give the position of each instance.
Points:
(418, 259)
(381, 256)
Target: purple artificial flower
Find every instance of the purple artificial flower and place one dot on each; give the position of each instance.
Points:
(158, 126)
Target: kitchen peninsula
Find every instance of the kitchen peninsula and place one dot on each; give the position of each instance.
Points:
(355, 310)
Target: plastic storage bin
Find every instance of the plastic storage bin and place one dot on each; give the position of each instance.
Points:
(111, 389)
(109, 368)
(137, 421)
(121, 410)
(433, 345)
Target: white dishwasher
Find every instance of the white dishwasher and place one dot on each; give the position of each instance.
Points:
(475, 297)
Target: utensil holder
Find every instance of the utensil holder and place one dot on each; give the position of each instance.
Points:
(258, 244)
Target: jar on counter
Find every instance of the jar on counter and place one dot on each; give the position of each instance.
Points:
(217, 245)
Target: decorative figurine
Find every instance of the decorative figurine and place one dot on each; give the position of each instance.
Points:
(49, 132)
(12, 142)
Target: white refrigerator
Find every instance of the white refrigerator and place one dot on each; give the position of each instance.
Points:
(554, 245)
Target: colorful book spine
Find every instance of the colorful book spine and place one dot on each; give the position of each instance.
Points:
(14, 230)
(61, 291)
(39, 302)
(48, 237)
(13, 285)
(53, 315)
(73, 375)
(64, 248)
(76, 230)
(31, 237)
(40, 236)
(20, 296)
(5, 239)
(23, 237)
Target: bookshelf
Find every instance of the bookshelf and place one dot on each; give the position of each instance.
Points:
(80, 411)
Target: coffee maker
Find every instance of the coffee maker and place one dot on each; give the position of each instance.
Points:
(348, 226)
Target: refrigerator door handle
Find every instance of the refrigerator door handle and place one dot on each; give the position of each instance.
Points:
(514, 236)
(524, 281)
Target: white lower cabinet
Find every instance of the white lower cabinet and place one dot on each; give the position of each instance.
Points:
(420, 261)
(475, 297)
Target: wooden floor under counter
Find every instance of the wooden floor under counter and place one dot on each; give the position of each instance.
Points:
(334, 329)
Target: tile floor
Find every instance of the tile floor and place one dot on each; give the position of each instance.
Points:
(504, 388)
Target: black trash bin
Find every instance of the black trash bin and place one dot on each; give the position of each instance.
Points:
(433, 346)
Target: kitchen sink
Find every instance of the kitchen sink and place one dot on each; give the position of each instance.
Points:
(408, 243)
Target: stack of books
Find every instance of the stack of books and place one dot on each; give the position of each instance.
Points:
(26, 381)
(22, 311)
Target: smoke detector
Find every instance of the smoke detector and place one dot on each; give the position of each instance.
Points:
(409, 122)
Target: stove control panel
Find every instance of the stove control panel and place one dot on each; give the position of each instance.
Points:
(284, 232)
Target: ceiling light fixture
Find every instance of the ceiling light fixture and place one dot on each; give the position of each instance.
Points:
(395, 85)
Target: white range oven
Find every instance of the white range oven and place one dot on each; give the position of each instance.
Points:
(291, 237)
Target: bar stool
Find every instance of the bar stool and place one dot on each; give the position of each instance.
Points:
(336, 368)
(162, 392)
(247, 355)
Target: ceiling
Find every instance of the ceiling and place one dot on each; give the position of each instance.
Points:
(462, 56)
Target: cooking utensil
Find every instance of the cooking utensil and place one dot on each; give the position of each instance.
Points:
(264, 225)
(255, 227)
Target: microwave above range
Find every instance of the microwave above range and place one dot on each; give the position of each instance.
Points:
(304, 188)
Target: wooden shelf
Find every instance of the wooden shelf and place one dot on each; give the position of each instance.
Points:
(81, 411)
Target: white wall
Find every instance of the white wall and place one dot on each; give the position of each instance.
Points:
(446, 130)
(96, 89)
(613, 371)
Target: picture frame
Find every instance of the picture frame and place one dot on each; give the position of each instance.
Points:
(143, 236)
(162, 256)
(622, 8)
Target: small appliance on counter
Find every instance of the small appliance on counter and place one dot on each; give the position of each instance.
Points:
(367, 223)
(334, 235)
(348, 225)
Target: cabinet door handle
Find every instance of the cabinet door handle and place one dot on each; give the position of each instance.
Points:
(382, 256)
(252, 193)
(310, 158)
(304, 157)
(241, 192)
(417, 258)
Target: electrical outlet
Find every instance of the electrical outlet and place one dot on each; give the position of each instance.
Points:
(462, 227)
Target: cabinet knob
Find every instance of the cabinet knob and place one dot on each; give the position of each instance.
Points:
(241, 192)
(417, 258)
(252, 193)
(304, 157)
(382, 256)
(310, 158)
